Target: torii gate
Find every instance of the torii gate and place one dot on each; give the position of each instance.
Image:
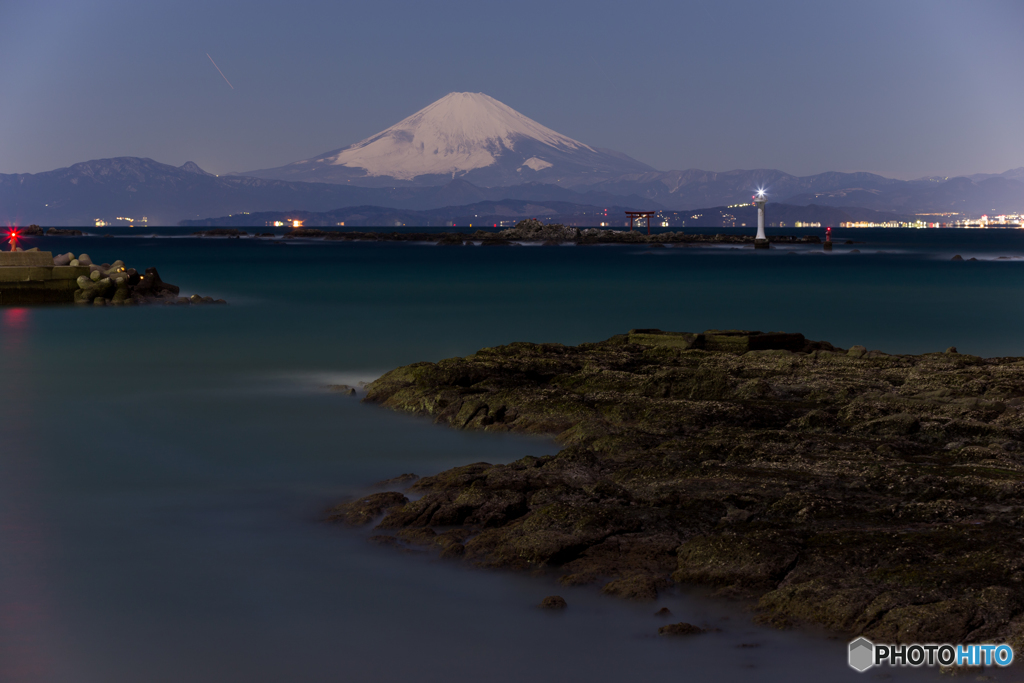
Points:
(637, 215)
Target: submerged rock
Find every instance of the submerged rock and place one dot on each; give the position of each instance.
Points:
(633, 588)
(680, 629)
(223, 232)
(365, 510)
(400, 480)
(554, 602)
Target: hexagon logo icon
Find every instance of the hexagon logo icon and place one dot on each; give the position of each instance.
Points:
(862, 654)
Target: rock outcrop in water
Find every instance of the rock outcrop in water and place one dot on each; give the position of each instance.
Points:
(869, 493)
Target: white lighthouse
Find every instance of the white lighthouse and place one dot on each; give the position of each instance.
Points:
(761, 241)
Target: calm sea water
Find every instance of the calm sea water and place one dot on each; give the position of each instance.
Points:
(162, 470)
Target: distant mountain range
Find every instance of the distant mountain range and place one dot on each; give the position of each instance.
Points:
(133, 187)
(464, 149)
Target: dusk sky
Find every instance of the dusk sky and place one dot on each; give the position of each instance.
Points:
(904, 88)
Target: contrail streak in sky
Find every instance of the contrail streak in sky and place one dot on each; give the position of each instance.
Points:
(220, 72)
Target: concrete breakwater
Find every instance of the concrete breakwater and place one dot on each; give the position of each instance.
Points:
(37, 277)
(33, 277)
(524, 231)
(869, 493)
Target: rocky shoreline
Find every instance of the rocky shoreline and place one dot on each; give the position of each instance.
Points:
(872, 494)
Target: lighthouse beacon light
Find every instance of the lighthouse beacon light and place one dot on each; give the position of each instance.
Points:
(761, 241)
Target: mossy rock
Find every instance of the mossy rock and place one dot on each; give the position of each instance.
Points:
(868, 493)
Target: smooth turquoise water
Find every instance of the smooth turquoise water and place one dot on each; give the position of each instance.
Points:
(162, 470)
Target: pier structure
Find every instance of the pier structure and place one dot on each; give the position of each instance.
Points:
(761, 241)
(30, 277)
(638, 216)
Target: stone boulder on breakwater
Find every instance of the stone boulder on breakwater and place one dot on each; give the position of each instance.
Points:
(37, 277)
(114, 284)
(534, 231)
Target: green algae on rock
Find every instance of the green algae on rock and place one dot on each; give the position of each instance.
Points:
(870, 493)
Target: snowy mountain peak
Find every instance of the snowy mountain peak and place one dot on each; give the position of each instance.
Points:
(458, 133)
(462, 135)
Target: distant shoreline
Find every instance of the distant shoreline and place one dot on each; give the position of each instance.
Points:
(547, 234)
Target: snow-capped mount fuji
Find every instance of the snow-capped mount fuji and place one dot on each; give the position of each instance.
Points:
(462, 135)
